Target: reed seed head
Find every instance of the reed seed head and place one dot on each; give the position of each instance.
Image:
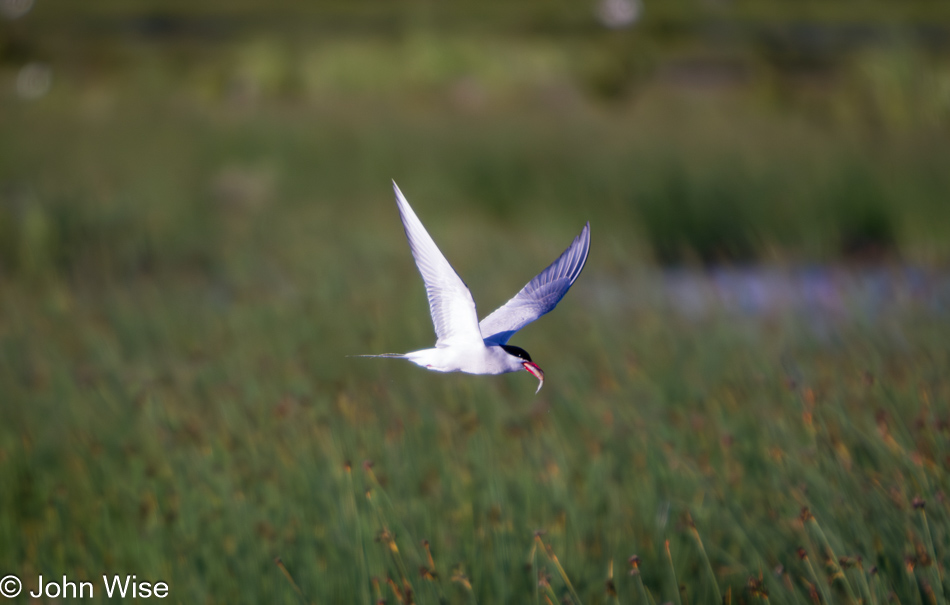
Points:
(544, 578)
(755, 587)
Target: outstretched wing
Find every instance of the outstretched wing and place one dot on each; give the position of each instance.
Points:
(450, 301)
(541, 294)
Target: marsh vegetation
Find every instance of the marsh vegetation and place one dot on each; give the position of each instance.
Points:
(747, 388)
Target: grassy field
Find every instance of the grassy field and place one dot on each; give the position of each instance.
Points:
(195, 233)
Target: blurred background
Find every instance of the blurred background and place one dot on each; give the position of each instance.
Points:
(197, 225)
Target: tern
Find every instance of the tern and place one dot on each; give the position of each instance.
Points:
(463, 343)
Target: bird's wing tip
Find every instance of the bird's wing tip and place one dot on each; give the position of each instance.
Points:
(584, 235)
(398, 192)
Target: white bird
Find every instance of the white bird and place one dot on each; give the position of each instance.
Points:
(463, 343)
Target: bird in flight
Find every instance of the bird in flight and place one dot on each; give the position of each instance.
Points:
(463, 343)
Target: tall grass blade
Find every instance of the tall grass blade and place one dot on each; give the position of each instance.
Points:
(286, 573)
(934, 566)
(702, 551)
(557, 565)
(676, 586)
(364, 569)
(611, 586)
(809, 518)
(818, 583)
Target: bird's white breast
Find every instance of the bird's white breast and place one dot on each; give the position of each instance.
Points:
(471, 360)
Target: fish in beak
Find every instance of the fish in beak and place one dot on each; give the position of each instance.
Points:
(535, 371)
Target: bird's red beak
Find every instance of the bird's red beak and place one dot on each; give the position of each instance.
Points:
(535, 371)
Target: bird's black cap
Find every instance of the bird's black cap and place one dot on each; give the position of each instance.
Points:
(517, 352)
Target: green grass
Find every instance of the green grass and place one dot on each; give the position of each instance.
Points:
(159, 430)
(190, 245)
